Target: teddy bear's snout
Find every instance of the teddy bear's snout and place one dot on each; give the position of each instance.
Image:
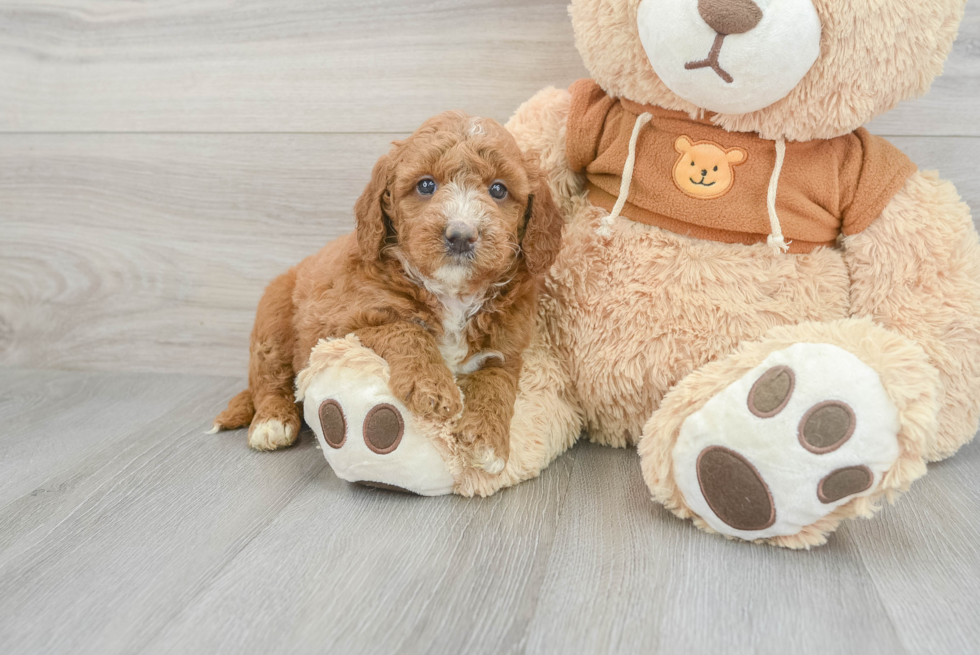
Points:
(730, 16)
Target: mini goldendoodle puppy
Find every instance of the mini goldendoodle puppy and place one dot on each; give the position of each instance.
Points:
(454, 233)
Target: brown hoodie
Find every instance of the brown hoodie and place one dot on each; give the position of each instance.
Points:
(697, 179)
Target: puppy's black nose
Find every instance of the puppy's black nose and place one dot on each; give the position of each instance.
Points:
(460, 238)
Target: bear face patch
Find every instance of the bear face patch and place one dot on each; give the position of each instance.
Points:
(705, 169)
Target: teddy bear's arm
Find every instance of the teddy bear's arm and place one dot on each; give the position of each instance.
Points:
(539, 125)
(916, 270)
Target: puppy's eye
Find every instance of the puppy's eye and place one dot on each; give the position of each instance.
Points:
(426, 187)
(498, 191)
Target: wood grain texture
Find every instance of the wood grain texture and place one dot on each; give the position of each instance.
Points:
(325, 66)
(150, 252)
(183, 542)
(265, 66)
(131, 252)
(51, 420)
(923, 555)
(105, 554)
(171, 541)
(632, 578)
(350, 570)
(159, 163)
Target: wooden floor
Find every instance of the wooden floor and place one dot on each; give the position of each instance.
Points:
(126, 530)
(159, 163)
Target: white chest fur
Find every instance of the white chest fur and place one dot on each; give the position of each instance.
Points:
(457, 312)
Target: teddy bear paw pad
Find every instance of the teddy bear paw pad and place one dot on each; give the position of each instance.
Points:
(806, 431)
(368, 437)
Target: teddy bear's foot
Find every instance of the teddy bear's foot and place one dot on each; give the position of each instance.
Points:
(367, 435)
(806, 437)
(805, 432)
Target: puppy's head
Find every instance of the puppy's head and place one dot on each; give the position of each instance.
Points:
(459, 206)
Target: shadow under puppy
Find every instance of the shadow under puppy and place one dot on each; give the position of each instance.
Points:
(455, 232)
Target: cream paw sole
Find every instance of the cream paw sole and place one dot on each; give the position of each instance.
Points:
(367, 435)
(806, 431)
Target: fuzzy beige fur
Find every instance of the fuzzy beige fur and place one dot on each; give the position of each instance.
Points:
(645, 325)
(908, 378)
(895, 47)
(916, 270)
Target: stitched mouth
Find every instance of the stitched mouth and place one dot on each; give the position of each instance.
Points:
(701, 183)
(712, 61)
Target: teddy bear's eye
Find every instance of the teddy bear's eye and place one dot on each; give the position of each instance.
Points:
(716, 169)
(692, 163)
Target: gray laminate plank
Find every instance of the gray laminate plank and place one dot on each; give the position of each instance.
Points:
(103, 430)
(49, 420)
(134, 541)
(948, 156)
(107, 552)
(333, 66)
(172, 541)
(924, 557)
(625, 576)
(349, 570)
(136, 252)
(266, 66)
(131, 252)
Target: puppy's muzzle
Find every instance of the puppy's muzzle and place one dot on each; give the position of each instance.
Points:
(461, 238)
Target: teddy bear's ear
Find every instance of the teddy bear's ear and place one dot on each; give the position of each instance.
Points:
(683, 145)
(735, 155)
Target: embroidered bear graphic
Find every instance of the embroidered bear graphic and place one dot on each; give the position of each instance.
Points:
(705, 169)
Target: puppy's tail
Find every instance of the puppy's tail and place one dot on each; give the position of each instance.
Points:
(238, 414)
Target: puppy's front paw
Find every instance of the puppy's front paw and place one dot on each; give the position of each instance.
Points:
(428, 396)
(271, 434)
(486, 439)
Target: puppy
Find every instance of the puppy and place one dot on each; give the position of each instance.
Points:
(454, 233)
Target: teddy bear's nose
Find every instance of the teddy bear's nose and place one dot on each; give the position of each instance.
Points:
(704, 172)
(730, 16)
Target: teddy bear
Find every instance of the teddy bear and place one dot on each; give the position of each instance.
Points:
(777, 308)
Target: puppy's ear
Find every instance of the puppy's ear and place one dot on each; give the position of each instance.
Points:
(371, 211)
(543, 223)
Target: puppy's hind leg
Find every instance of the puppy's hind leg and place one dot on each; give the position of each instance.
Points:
(238, 414)
(268, 404)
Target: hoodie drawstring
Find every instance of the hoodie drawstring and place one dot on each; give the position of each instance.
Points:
(776, 240)
(605, 225)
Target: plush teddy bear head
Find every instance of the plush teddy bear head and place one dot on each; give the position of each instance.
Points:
(797, 69)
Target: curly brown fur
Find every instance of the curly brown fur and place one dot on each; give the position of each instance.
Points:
(436, 316)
